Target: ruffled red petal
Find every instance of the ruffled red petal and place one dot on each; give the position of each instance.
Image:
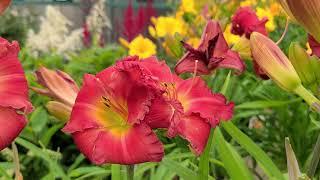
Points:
(13, 84)
(137, 145)
(159, 69)
(195, 130)
(11, 124)
(196, 97)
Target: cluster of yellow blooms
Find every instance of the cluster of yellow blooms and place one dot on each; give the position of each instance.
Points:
(188, 19)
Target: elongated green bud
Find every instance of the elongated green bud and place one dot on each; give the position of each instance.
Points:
(59, 110)
(302, 64)
(292, 163)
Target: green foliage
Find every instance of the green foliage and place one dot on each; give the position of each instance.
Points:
(14, 25)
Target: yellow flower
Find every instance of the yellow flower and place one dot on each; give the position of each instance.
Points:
(275, 9)
(248, 3)
(168, 26)
(187, 6)
(194, 42)
(152, 31)
(230, 38)
(142, 47)
(124, 42)
(261, 13)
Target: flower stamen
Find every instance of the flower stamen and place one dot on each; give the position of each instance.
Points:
(194, 75)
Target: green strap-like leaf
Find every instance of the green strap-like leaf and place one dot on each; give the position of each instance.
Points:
(233, 163)
(265, 104)
(181, 171)
(255, 151)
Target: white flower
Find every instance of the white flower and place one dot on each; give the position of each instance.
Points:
(54, 35)
(98, 19)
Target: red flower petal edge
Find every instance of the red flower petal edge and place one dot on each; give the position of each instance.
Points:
(11, 124)
(13, 93)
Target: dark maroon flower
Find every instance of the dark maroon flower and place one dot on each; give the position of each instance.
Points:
(212, 53)
(245, 21)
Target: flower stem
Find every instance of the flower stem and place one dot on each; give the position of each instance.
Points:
(130, 172)
(315, 159)
(18, 175)
(308, 97)
(204, 164)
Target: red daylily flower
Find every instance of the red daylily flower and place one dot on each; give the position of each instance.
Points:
(187, 107)
(107, 118)
(13, 93)
(212, 53)
(3, 5)
(245, 21)
(314, 45)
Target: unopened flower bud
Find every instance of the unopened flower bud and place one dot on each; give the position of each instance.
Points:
(274, 62)
(292, 163)
(278, 67)
(302, 64)
(59, 110)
